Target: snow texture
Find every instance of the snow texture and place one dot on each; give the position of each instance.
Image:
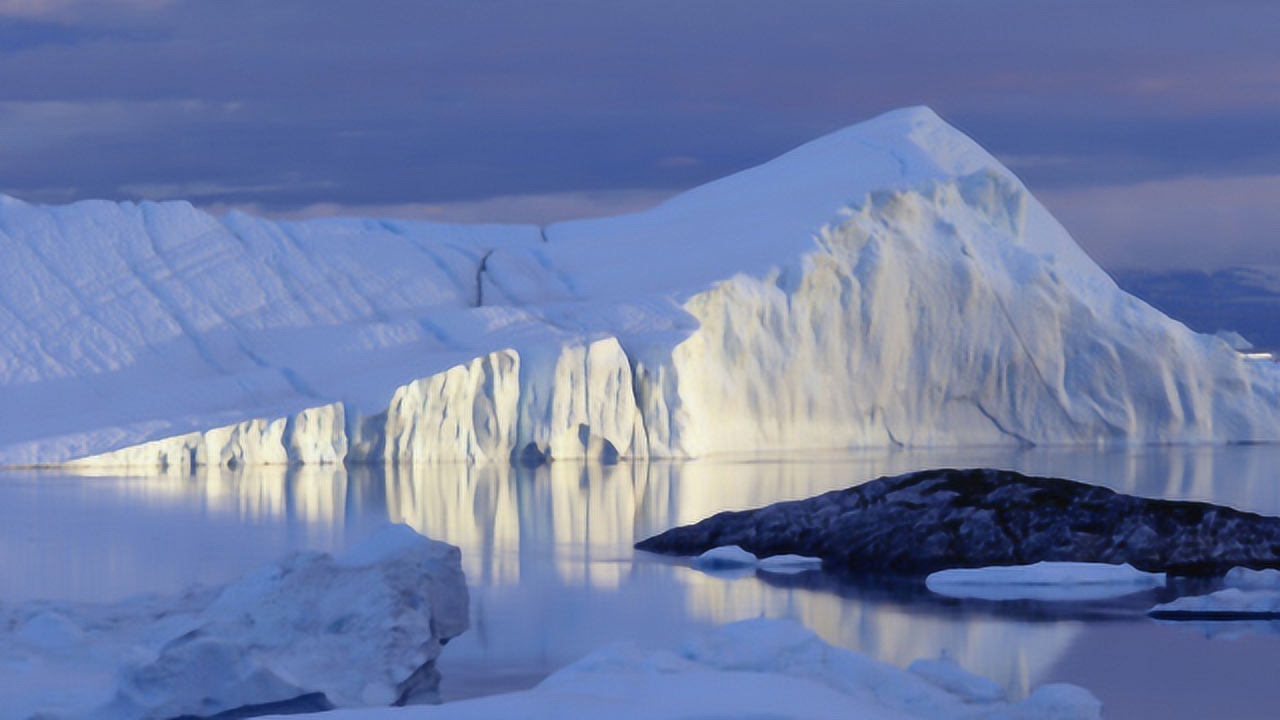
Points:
(310, 632)
(924, 522)
(755, 669)
(889, 284)
(1053, 581)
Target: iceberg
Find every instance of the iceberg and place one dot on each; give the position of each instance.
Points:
(889, 284)
(311, 632)
(1051, 581)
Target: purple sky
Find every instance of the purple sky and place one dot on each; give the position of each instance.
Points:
(1151, 128)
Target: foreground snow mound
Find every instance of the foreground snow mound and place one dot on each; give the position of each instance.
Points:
(757, 669)
(310, 632)
(1060, 581)
(889, 284)
(933, 520)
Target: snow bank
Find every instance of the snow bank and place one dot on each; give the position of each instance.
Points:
(309, 632)
(755, 668)
(889, 284)
(1065, 581)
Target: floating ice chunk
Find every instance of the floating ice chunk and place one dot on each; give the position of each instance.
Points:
(308, 632)
(727, 557)
(1246, 579)
(733, 561)
(790, 563)
(1060, 581)
(1229, 604)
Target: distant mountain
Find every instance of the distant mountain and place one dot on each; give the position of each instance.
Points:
(890, 284)
(1244, 300)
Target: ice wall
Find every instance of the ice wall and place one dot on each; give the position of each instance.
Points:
(890, 284)
(936, 316)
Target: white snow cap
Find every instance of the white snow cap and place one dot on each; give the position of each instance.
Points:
(889, 284)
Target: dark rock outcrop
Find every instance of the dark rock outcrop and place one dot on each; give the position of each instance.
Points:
(922, 522)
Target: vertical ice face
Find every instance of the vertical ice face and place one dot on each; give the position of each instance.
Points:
(934, 316)
(556, 401)
(467, 413)
(890, 284)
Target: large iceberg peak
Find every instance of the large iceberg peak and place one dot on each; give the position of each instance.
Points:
(890, 283)
(753, 219)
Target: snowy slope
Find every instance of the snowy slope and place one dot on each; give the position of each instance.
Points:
(887, 284)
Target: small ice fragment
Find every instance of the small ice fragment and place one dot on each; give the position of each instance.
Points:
(1052, 581)
(945, 674)
(1229, 604)
(790, 563)
(725, 557)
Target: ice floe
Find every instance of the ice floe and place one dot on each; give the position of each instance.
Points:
(309, 632)
(1055, 581)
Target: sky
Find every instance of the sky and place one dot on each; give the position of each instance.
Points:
(1152, 129)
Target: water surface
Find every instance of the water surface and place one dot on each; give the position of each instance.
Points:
(548, 556)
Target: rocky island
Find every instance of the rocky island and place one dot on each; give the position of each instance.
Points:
(923, 522)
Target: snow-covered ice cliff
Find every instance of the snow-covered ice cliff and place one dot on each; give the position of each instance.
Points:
(888, 284)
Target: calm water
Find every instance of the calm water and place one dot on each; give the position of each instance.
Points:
(548, 555)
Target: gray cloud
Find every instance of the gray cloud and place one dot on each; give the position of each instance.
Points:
(296, 103)
(1207, 223)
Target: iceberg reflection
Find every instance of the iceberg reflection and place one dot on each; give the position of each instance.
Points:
(548, 550)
